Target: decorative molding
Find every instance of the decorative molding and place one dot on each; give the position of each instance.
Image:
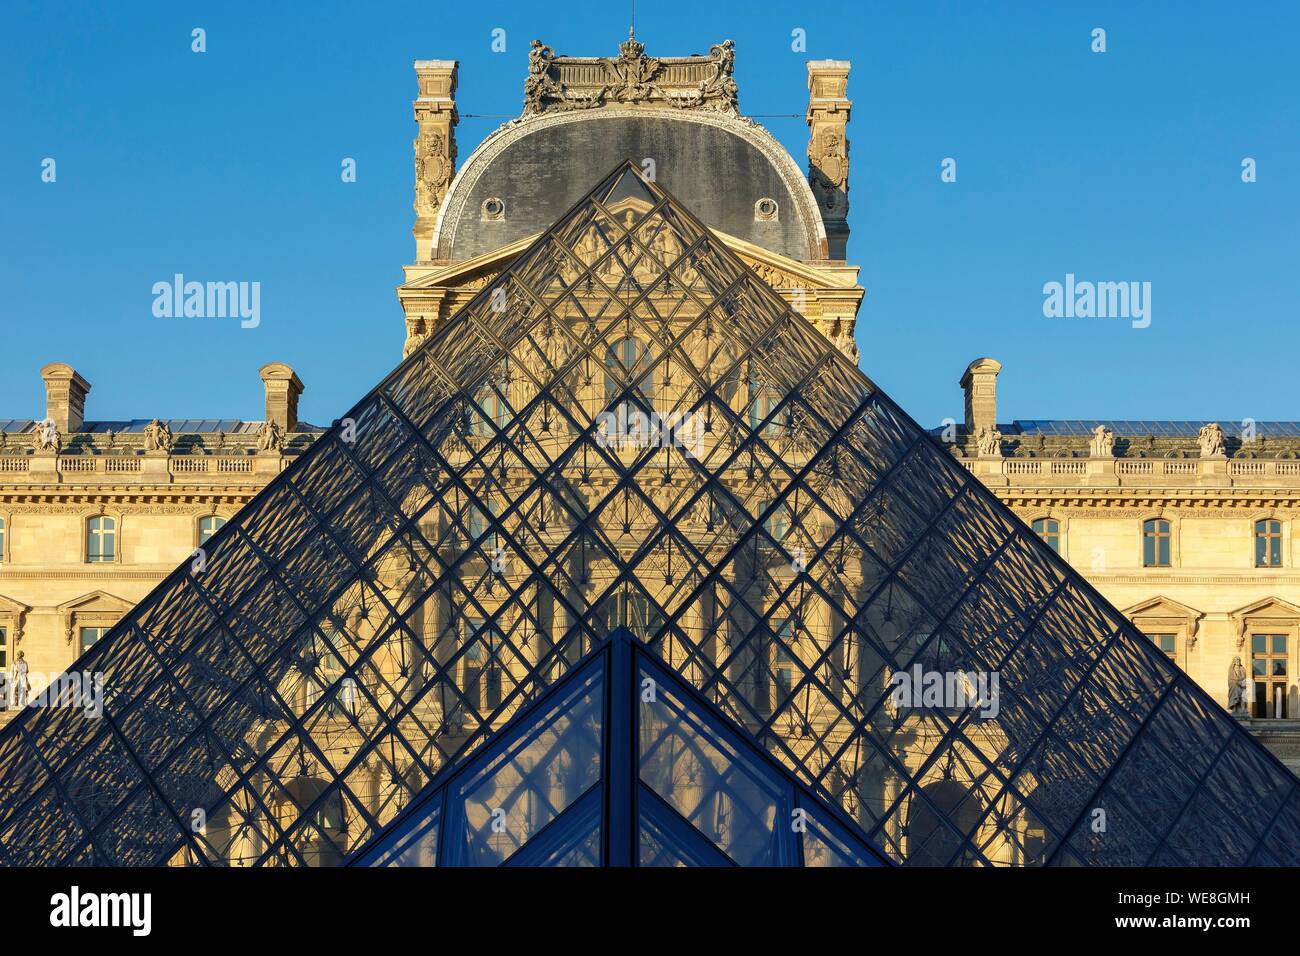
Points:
(76, 573)
(566, 83)
(1270, 612)
(96, 609)
(1161, 611)
(14, 613)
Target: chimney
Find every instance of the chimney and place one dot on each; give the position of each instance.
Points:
(980, 383)
(828, 148)
(65, 397)
(282, 390)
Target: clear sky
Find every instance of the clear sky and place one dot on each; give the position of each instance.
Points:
(1116, 166)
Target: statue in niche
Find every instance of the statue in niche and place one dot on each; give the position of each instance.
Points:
(157, 436)
(1210, 439)
(1238, 705)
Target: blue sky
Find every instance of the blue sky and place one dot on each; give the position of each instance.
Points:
(1122, 166)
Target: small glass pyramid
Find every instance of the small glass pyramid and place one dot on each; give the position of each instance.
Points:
(620, 762)
(628, 428)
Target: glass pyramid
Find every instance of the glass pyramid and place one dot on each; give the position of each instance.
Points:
(619, 763)
(628, 428)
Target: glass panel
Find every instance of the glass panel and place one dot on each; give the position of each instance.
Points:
(701, 774)
(826, 843)
(526, 782)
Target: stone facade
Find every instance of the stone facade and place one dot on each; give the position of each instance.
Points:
(1211, 593)
(92, 524)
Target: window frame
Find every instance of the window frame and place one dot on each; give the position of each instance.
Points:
(116, 557)
(1279, 539)
(199, 540)
(1171, 535)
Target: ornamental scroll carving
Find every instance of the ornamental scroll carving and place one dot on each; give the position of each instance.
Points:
(435, 164)
(560, 83)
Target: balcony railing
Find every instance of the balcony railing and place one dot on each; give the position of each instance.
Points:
(1187, 472)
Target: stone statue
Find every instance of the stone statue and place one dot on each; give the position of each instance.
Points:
(48, 437)
(989, 442)
(539, 82)
(1103, 443)
(1237, 703)
(270, 437)
(1211, 441)
(157, 436)
(20, 686)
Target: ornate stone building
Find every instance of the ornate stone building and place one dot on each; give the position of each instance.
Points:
(96, 514)
(1186, 526)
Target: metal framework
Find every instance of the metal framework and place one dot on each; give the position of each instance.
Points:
(729, 488)
(619, 763)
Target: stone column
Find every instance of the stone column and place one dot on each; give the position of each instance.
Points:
(828, 148)
(435, 147)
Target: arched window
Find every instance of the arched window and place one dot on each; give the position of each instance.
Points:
(778, 523)
(622, 360)
(480, 523)
(763, 401)
(1268, 543)
(493, 410)
(1156, 542)
(208, 527)
(101, 539)
(3, 529)
(1049, 529)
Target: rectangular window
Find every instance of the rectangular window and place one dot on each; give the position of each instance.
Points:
(90, 635)
(1268, 660)
(1049, 529)
(101, 539)
(1156, 540)
(1268, 544)
(1167, 643)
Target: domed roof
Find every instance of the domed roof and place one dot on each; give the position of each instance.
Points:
(675, 118)
(733, 175)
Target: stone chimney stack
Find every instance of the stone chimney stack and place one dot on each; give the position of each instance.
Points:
(282, 390)
(435, 147)
(65, 397)
(828, 148)
(980, 383)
